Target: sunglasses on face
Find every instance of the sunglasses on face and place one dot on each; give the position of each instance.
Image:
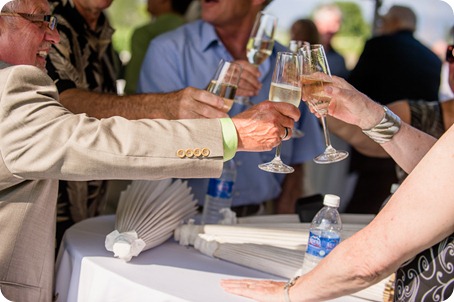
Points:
(450, 54)
(36, 18)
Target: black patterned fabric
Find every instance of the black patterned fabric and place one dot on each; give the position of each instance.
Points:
(427, 117)
(84, 58)
(429, 276)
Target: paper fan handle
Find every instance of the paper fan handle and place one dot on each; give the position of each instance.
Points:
(124, 245)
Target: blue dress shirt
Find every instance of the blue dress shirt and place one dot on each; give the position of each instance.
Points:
(188, 56)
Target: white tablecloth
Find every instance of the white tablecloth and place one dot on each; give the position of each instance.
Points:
(86, 271)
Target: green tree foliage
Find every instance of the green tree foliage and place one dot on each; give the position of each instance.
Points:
(354, 31)
(353, 23)
(125, 16)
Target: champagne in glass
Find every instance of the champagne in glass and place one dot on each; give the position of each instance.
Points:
(225, 82)
(258, 50)
(285, 93)
(294, 46)
(226, 90)
(314, 93)
(261, 39)
(314, 78)
(260, 45)
(285, 87)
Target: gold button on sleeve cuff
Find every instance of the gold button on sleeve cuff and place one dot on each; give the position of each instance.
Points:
(229, 138)
(197, 152)
(189, 152)
(181, 153)
(206, 152)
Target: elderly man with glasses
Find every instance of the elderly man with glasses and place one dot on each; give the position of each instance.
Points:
(42, 142)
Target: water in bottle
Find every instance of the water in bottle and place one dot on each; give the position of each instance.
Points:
(324, 233)
(219, 194)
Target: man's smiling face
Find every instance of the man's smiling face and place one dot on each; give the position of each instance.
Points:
(23, 41)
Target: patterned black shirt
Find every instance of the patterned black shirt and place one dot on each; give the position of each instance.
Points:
(83, 59)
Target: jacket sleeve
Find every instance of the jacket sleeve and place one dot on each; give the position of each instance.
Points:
(41, 139)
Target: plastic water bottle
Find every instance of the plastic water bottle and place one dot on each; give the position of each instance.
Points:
(324, 233)
(219, 194)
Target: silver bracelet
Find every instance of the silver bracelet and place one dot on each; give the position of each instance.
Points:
(287, 286)
(385, 130)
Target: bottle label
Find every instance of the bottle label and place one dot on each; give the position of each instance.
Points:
(320, 246)
(220, 188)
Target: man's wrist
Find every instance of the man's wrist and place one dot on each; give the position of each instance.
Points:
(287, 287)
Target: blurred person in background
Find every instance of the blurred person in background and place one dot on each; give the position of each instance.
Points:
(85, 68)
(190, 54)
(304, 30)
(393, 66)
(439, 47)
(328, 19)
(166, 15)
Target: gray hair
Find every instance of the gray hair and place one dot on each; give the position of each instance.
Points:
(7, 7)
(13, 6)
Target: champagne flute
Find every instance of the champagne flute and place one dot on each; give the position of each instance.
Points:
(294, 46)
(316, 75)
(225, 81)
(261, 40)
(285, 87)
(260, 45)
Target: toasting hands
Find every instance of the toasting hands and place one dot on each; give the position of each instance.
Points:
(264, 126)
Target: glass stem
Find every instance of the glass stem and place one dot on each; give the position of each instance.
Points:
(325, 132)
(278, 152)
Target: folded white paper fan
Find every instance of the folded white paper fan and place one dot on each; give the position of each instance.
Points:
(148, 213)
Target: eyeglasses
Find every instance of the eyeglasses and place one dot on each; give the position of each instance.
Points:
(36, 18)
(450, 54)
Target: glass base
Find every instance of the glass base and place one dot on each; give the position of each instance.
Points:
(331, 157)
(276, 166)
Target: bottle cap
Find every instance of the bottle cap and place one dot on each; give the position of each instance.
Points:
(331, 200)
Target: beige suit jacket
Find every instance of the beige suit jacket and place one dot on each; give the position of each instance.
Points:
(41, 142)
